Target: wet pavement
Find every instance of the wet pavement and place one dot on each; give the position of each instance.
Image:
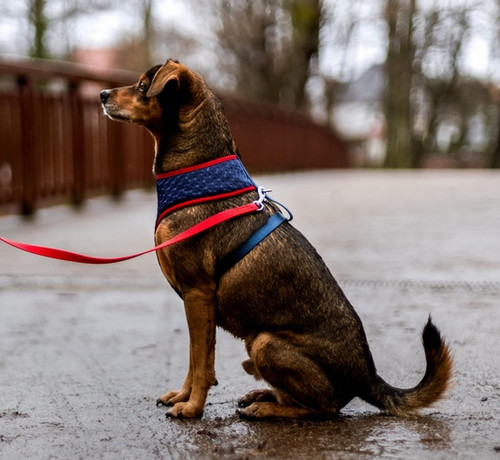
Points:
(85, 351)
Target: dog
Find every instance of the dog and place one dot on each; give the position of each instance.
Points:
(302, 335)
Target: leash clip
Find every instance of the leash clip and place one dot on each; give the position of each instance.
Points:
(262, 197)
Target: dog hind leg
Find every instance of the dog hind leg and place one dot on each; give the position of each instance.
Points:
(301, 387)
(255, 395)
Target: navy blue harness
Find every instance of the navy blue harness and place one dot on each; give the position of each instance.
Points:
(210, 181)
(214, 180)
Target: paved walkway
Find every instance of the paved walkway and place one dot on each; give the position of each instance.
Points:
(86, 350)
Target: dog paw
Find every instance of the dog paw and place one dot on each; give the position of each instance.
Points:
(257, 396)
(173, 397)
(266, 410)
(161, 402)
(184, 410)
(254, 411)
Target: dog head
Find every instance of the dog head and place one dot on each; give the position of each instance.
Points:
(160, 90)
(185, 118)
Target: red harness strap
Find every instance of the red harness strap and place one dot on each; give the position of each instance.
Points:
(211, 221)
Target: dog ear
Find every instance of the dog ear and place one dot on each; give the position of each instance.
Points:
(165, 76)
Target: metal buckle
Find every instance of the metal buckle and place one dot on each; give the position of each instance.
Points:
(262, 197)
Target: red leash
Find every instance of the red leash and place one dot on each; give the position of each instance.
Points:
(211, 221)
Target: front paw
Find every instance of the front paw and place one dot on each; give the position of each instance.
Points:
(185, 410)
(173, 397)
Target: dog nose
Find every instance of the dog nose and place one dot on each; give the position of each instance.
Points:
(105, 95)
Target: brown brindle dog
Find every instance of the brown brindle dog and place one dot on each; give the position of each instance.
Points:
(302, 335)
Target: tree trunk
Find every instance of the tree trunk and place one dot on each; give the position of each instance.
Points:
(38, 20)
(306, 22)
(148, 33)
(399, 73)
(495, 157)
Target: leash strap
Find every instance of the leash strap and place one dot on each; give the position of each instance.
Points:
(210, 222)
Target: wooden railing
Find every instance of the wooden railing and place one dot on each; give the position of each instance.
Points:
(57, 146)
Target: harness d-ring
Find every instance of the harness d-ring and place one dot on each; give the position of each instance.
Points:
(262, 197)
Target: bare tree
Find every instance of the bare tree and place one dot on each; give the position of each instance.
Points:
(148, 32)
(427, 83)
(269, 45)
(450, 93)
(306, 22)
(39, 22)
(494, 160)
(399, 74)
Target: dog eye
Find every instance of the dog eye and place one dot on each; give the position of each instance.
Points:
(142, 87)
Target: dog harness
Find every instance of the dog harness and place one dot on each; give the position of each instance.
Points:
(217, 179)
(214, 180)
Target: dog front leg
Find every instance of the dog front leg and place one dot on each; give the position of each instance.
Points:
(174, 396)
(200, 314)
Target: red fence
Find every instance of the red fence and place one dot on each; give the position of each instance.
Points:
(57, 146)
(270, 139)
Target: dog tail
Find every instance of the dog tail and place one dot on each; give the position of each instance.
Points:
(438, 374)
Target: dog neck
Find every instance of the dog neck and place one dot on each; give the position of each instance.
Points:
(192, 134)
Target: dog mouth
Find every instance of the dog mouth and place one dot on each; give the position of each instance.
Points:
(113, 115)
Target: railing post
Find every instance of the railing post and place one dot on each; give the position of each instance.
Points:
(78, 148)
(29, 179)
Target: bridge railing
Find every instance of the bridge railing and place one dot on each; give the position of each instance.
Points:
(56, 146)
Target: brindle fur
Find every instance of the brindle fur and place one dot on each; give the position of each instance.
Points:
(302, 335)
